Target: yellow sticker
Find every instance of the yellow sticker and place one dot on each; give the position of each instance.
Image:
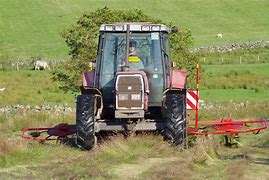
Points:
(134, 59)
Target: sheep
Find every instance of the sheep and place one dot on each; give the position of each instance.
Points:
(41, 65)
(219, 35)
(2, 89)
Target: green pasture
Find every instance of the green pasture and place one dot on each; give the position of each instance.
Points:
(213, 95)
(239, 82)
(31, 87)
(255, 69)
(33, 28)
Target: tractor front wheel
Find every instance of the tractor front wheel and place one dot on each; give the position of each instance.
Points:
(175, 117)
(85, 121)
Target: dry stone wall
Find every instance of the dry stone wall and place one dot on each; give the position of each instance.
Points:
(232, 47)
(36, 108)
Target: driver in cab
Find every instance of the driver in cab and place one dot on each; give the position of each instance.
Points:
(134, 60)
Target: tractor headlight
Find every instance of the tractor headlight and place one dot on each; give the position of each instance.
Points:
(123, 97)
(155, 28)
(135, 97)
(119, 28)
(145, 28)
(109, 28)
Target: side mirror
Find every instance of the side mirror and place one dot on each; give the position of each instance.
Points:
(91, 65)
(174, 29)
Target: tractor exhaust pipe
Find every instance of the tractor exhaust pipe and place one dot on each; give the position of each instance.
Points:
(126, 62)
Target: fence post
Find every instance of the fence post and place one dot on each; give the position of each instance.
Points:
(17, 66)
(53, 64)
(240, 59)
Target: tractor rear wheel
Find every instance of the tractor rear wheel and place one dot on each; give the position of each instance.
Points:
(85, 121)
(175, 117)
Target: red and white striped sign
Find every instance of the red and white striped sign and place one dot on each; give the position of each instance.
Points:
(192, 98)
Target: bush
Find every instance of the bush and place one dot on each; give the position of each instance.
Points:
(82, 40)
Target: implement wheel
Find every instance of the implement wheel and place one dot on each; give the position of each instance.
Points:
(85, 121)
(175, 117)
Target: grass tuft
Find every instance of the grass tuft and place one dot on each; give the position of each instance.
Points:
(236, 169)
(205, 150)
(134, 148)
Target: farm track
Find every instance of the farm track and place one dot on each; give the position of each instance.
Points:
(127, 171)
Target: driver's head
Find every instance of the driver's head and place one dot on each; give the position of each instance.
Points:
(132, 45)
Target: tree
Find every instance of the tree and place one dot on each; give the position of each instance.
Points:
(82, 39)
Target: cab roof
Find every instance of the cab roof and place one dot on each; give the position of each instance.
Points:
(138, 26)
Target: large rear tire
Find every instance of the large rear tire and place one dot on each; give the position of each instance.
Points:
(85, 121)
(175, 117)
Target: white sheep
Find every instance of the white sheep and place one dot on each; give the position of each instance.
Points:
(2, 89)
(219, 35)
(39, 65)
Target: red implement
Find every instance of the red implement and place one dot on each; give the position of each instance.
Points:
(222, 126)
(47, 134)
(228, 126)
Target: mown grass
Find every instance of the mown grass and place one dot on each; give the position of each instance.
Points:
(31, 87)
(138, 156)
(59, 161)
(32, 28)
(14, 151)
(143, 156)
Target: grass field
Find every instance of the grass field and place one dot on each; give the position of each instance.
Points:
(33, 88)
(32, 28)
(228, 87)
(250, 56)
(239, 82)
(240, 76)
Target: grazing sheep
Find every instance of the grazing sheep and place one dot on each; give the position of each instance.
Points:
(41, 65)
(219, 35)
(2, 89)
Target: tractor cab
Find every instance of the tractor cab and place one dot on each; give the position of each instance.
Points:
(133, 47)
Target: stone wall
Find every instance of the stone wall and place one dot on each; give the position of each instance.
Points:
(36, 108)
(232, 47)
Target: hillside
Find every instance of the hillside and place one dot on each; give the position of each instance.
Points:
(32, 28)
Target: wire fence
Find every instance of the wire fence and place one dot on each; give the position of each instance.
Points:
(242, 59)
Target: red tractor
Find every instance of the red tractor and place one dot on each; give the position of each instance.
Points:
(132, 86)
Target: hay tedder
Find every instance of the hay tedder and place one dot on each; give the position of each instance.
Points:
(133, 86)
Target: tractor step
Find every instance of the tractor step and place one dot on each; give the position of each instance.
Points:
(124, 126)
